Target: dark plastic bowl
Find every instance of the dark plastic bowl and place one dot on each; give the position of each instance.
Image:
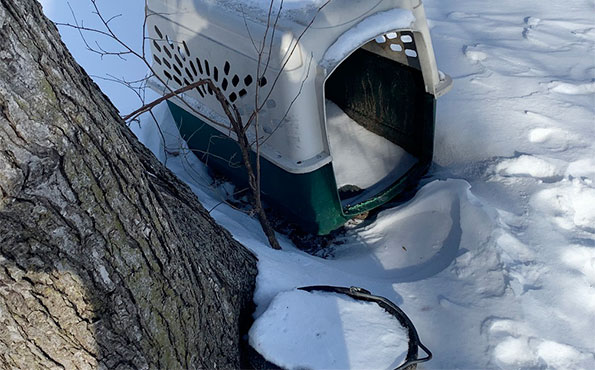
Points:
(258, 362)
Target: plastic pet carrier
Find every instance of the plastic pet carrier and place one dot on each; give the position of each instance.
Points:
(348, 94)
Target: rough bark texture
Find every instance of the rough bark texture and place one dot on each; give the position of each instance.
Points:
(106, 259)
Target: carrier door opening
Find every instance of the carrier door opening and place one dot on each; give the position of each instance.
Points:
(375, 120)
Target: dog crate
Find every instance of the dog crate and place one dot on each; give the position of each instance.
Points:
(347, 91)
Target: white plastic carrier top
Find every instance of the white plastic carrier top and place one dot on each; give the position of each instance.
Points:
(219, 39)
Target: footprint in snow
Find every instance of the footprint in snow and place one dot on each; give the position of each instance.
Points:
(530, 166)
(572, 89)
(549, 136)
(518, 346)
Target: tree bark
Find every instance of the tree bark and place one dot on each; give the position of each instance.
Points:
(106, 259)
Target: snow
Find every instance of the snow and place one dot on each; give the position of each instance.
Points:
(360, 157)
(494, 257)
(328, 331)
(365, 30)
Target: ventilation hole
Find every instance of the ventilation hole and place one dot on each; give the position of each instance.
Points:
(215, 74)
(207, 67)
(200, 92)
(224, 84)
(209, 89)
(181, 53)
(166, 62)
(178, 60)
(396, 47)
(235, 80)
(166, 73)
(157, 59)
(188, 73)
(411, 53)
(156, 44)
(406, 38)
(199, 65)
(175, 67)
(186, 82)
(177, 80)
(226, 68)
(204, 89)
(248, 80)
(158, 32)
(243, 93)
(186, 48)
(167, 52)
(391, 35)
(380, 39)
(169, 41)
(232, 97)
(193, 68)
(263, 81)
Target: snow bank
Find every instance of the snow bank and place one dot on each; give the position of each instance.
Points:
(328, 331)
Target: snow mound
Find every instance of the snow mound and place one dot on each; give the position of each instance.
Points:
(360, 157)
(312, 330)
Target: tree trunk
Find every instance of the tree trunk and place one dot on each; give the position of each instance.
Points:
(106, 259)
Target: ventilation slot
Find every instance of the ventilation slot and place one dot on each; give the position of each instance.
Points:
(188, 73)
(166, 50)
(158, 32)
(178, 60)
(207, 68)
(175, 67)
(186, 48)
(193, 68)
(156, 44)
(199, 65)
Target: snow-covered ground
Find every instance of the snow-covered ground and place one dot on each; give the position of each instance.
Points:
(494, 258)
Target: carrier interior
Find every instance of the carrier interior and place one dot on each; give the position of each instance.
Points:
(374, 112)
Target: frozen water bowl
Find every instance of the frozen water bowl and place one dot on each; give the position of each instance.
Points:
(322, 327)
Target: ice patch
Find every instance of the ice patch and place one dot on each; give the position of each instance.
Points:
(328, 331)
